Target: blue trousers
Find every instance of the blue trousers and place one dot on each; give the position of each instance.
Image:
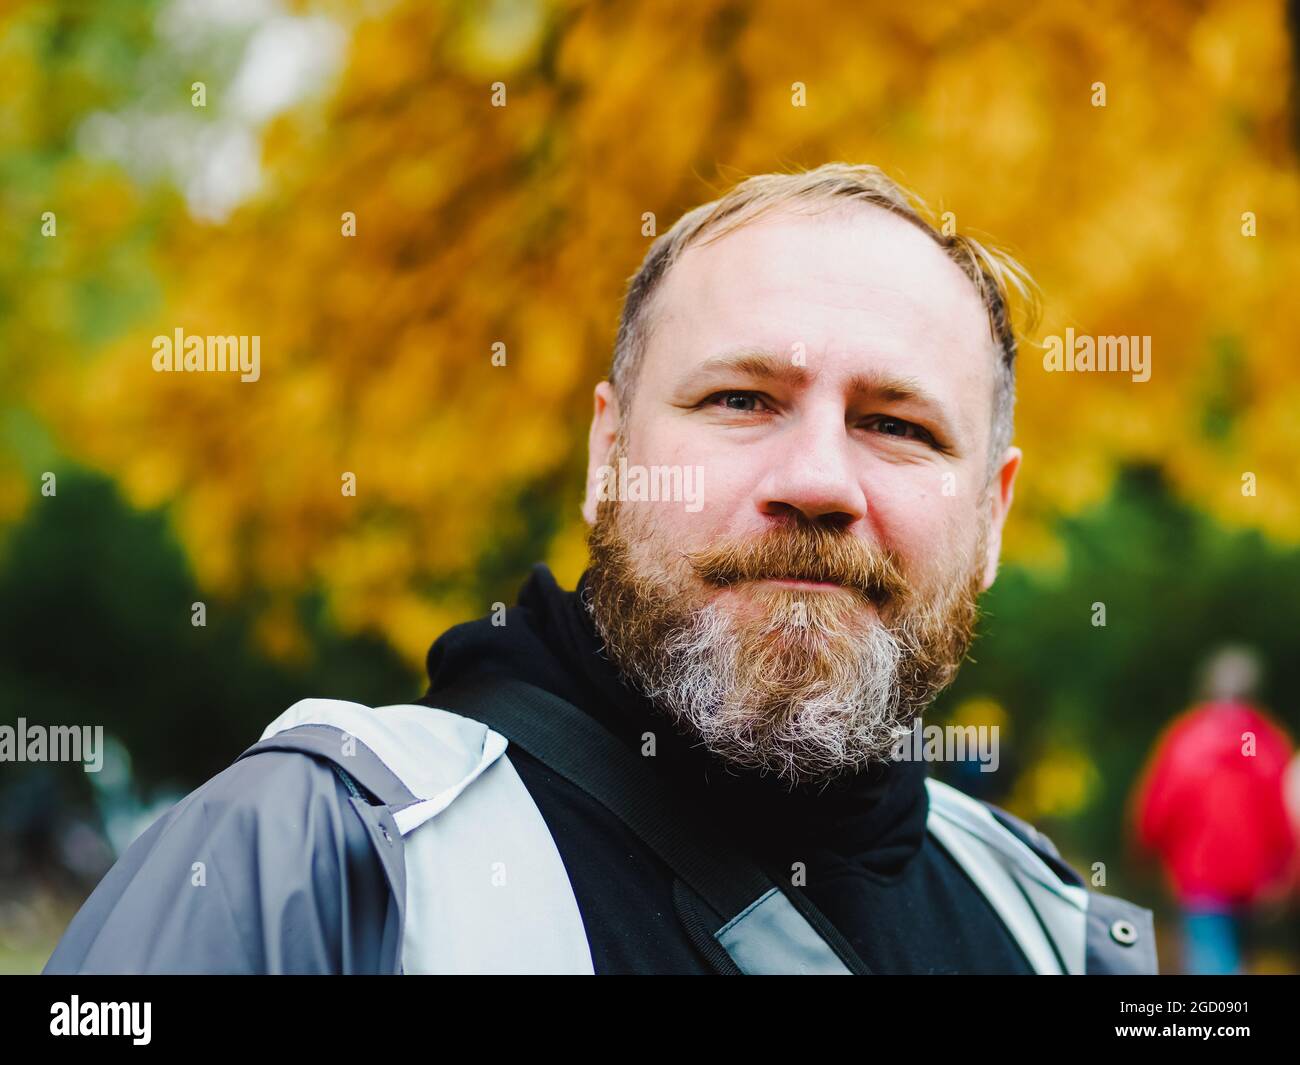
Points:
(1210, 941)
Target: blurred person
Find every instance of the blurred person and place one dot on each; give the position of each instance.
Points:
(798, 475)
(1210, 804)
(1291, 800)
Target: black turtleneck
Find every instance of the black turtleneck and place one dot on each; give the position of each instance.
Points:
(860, 842)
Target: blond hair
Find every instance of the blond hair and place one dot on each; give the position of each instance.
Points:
(1001, 281)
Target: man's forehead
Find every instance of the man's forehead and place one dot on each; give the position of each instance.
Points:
(863, 281)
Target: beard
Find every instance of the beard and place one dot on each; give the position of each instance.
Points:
(806, 684)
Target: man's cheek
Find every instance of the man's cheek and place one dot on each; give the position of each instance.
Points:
(937, 536)
(923, 557)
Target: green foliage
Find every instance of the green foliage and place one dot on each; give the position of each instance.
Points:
(97, 630)
(1174, 585)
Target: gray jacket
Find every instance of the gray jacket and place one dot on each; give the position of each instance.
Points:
(268, 867)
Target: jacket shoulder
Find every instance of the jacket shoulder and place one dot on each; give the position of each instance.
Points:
(414, 759)
(249, 873)
(995, 825)
(1036, 841)
(1117, 936)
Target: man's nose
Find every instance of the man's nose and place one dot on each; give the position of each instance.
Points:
(812, 472)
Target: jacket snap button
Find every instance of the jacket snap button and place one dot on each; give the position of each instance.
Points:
(1123, 932)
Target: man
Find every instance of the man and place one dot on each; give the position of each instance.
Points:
(799, 472)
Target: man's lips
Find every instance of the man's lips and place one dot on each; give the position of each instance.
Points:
(799, 582)
(808, 584)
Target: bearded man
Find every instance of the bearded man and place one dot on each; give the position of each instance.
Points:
(698, 776)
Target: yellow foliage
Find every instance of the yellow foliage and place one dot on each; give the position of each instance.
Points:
(1059, 785)
(519, 224)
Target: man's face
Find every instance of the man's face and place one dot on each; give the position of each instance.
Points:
(829, 382)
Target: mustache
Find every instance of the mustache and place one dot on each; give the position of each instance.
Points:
(807, 553)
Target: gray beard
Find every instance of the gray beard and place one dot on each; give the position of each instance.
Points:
(795, 726)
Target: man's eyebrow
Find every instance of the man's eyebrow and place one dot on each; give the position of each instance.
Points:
(765, 364)
(753, 362)
(892, 387)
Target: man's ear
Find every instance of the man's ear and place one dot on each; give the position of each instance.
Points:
(1001, 492)
(600, 445)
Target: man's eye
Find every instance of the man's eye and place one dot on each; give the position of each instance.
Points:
(898, 427)
(745, 402)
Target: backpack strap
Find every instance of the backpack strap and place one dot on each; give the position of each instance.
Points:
(414, 760)
(761, 927)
